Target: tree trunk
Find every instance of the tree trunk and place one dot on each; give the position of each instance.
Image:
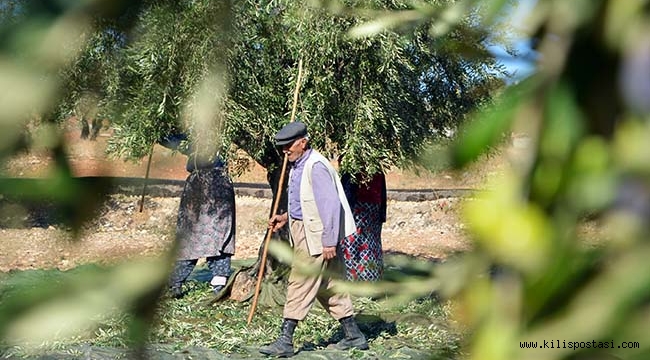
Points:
(85, 128)
(95, 127)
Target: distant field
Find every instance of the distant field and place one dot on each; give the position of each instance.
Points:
(88, 159)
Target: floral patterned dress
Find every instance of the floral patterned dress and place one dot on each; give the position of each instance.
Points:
(362, 251)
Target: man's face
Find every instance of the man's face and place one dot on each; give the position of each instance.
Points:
(295, 149)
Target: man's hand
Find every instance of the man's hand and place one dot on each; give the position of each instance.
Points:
(329, 252)
(278, 221)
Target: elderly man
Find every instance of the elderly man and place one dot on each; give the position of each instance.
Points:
(319, 216)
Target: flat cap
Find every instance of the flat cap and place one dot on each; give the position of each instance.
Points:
(290, 132)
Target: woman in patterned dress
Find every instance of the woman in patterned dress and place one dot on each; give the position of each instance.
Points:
(362, 251)
(206, 221)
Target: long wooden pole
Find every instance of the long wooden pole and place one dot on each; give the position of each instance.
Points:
(278, 193)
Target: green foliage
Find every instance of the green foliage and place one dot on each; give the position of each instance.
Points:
(174, 51)
(43, 306)
(531, 276)
(491, 122)
(435, 156)
(375, 101)
(548, 284)
(421, 326)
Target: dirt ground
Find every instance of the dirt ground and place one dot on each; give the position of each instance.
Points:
(428, 228)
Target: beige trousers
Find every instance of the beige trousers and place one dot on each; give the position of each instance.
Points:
(308, 281)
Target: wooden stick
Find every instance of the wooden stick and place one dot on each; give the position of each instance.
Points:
(146, 177)
(269, 232)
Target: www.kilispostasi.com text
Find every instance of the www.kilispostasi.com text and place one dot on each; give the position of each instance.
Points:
(563, 344)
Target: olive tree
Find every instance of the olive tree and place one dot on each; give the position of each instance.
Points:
(225, 73)
(374, 100)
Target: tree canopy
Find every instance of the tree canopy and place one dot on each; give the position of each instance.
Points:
(374, 100)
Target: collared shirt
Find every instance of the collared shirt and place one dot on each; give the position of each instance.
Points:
(325, 195)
